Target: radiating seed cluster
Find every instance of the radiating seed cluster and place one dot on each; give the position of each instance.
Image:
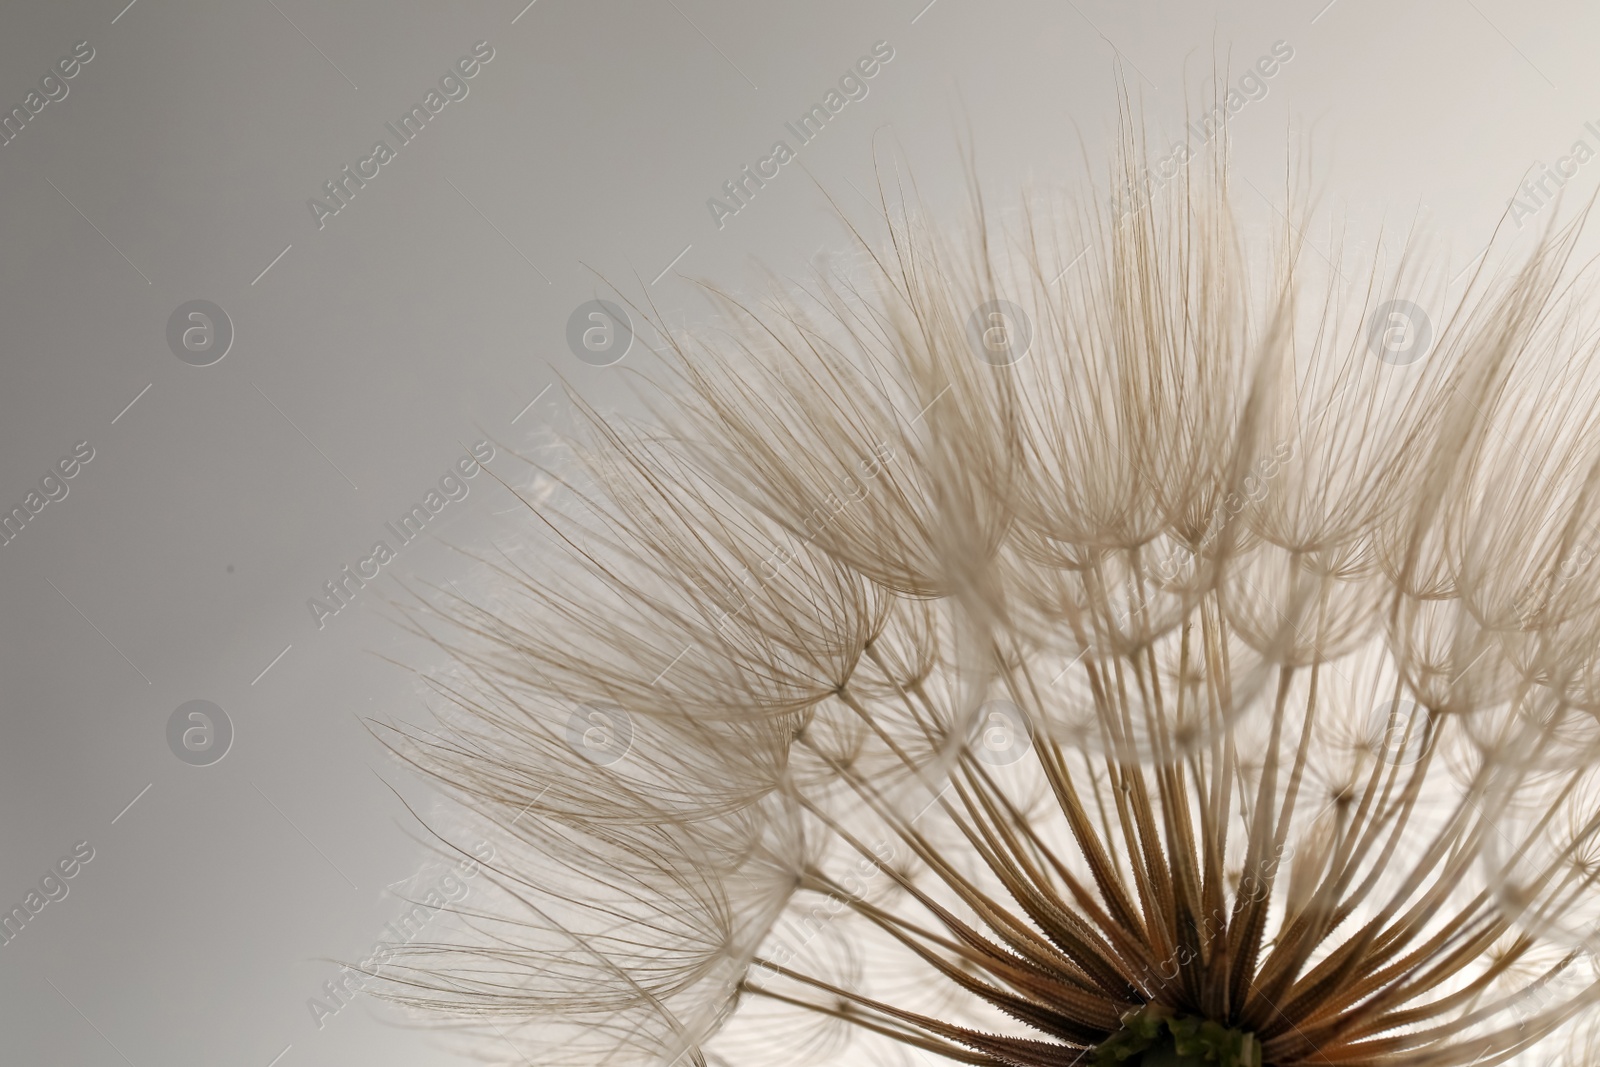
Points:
(1194, 685)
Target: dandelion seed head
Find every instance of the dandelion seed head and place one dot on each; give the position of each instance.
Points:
(1016, 667)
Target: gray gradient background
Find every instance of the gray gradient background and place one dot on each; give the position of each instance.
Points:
(179, 565)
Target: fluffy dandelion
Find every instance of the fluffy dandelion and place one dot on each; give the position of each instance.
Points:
(1112, 641)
